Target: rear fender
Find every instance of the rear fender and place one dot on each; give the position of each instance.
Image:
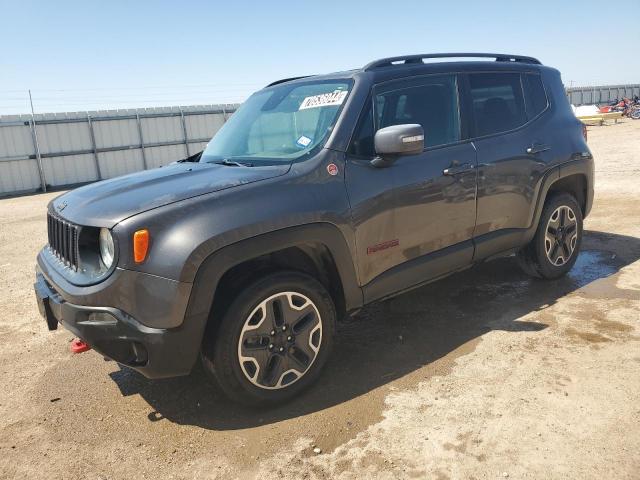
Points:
(583, 167)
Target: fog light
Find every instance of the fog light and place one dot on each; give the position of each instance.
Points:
(100, 318)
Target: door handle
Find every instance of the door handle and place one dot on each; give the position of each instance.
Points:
(465, 167)
(537, 148)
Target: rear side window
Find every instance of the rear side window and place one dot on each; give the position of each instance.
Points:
(433, 103)
(498, 104)
(535, 95)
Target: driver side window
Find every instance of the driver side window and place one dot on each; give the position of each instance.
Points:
(431, 102)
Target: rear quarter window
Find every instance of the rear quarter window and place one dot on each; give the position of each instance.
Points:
(535, 95)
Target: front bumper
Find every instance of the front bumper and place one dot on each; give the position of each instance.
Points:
(154, 352)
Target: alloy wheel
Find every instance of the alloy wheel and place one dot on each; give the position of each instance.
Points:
(280, 340)
(561, 235)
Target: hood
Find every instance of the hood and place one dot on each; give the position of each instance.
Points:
(105, 203)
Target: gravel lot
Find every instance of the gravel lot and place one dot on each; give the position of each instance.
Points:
(487, 374)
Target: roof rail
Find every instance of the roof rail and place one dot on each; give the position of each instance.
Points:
(283, 80)
(413, 59)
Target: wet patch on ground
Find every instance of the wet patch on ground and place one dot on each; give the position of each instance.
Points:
(588, 337)
(594, 265)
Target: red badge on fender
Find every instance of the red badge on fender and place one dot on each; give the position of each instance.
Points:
(332, 168)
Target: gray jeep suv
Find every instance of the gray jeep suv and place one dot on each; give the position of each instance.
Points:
(320, 194)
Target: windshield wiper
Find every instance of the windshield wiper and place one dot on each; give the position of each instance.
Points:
(191, 159)
(232, 163)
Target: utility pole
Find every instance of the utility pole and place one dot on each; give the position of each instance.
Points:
(36, 146)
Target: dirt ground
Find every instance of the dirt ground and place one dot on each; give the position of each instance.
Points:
(487, 374)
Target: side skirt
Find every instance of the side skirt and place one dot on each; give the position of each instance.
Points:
(419, 271)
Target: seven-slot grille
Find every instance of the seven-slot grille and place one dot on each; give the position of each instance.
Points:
(63, 240)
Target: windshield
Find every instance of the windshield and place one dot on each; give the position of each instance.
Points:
(279, 125)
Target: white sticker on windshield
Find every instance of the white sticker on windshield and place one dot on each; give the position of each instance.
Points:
(324, 100)
(303, 141)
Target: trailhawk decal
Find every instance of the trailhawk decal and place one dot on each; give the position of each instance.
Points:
(324, 100)
(383, 246)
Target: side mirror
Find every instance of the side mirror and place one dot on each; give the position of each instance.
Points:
(397, 140)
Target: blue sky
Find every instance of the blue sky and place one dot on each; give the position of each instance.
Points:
(79, 55)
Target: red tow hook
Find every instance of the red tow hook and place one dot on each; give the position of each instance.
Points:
(78, 346)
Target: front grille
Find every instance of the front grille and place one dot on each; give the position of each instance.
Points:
(63, 240)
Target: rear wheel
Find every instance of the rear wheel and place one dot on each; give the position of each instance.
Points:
(273, 340)
(554, 249)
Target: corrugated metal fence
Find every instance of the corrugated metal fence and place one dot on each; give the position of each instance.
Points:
(604, 94)
(53, 150)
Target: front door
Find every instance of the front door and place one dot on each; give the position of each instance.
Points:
(409, 216)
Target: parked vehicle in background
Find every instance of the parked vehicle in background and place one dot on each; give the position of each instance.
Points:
(321, 194)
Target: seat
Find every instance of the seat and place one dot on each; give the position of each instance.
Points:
(496, 116)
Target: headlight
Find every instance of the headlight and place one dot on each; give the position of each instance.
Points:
(106, 247)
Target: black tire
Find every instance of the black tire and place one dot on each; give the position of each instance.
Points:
(221, 355)
(534, 258)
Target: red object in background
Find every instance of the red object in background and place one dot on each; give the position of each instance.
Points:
(605, 109)
(78, 346)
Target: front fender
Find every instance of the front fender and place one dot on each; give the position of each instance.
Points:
(215, 265)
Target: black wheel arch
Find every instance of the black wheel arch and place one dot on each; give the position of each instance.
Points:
(311, 248)
(575, 178)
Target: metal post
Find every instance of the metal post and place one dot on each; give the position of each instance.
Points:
(93, 145)
(224, 114)
(184, 132)
(144, 157)
(36, 146)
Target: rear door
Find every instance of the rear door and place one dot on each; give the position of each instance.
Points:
(422, 203)
(512, 156)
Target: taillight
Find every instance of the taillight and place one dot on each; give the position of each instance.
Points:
(584, 132)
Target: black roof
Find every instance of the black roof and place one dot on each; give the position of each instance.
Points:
(406, 65)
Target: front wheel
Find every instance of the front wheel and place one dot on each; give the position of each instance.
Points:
(554, 249)
(273, 340)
